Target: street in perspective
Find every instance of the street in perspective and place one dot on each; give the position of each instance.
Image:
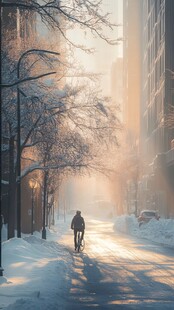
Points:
(116, 271)
(87, 154)
(127, 268)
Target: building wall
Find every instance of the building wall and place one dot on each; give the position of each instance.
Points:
(149, 91)
(153, 80)
(157, 96)
(158, 90)
(117, 84)
(131, 65)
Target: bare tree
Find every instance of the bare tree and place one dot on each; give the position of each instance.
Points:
(90, 122)
(65, 14)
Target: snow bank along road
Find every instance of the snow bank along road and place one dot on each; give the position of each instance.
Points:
(119, 272)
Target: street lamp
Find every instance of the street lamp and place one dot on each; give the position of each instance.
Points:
(1, 223)
(18, 195)
(33, 186)
(1, 269)
(44, 204)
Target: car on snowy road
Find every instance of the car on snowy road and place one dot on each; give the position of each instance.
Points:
(146, 215)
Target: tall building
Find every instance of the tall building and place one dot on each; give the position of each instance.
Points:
(131, 67)
(157, 97)
(117, 82)
(149, 92)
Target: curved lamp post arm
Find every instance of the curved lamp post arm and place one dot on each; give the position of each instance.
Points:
(33, 51)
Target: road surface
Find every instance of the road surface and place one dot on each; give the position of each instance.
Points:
(119, 272)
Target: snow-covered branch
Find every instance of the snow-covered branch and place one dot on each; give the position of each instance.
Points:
(30, 78)
(56, 14)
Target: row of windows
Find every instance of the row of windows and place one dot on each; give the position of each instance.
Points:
(154, 68)
(155, 112)
(154, 3)
(153, 75)
(155, 143)
(156, 75)
(154, 31)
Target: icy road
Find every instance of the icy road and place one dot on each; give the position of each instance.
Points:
(119, 272)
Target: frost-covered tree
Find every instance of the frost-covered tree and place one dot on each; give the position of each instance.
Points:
(75, 122)
(65, 14)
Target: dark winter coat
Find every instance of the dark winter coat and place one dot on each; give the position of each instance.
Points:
(78, 223)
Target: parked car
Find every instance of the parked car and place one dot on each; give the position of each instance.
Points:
(146, 215)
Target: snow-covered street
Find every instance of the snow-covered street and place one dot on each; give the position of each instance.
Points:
(87, 155)
(115, 271)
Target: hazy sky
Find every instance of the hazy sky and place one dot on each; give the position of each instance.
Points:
(101, 62)
(105, 54)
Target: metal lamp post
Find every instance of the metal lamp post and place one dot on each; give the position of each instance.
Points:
(1, 269)
(18, 197)
(44, 204)
(33, 186)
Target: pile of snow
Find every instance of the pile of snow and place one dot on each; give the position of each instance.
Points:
(161, 231)
(36, 271)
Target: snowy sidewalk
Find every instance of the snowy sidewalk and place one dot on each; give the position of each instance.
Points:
(35, 271)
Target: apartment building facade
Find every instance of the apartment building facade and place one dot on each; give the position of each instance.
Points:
(131, 66)
(148, 26)
(131, 96)
(157, 97)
